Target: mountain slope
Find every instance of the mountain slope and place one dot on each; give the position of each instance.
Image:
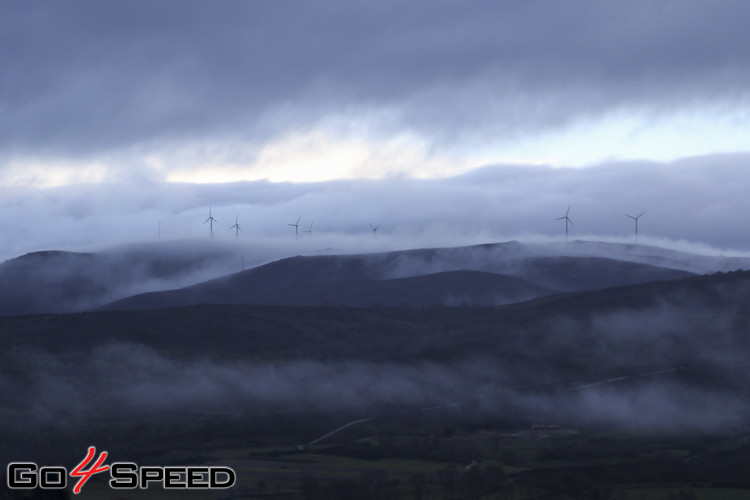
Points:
(666, 355)
(388, 279)
(569, 274)
(260, 288)
(49, 282)
(702, 304)
(55, 281)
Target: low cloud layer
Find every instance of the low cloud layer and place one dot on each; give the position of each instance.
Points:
(131, 381)
(698, 200)
(673, 366)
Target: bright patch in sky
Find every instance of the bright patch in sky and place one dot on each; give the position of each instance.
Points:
(40, 173)
(635, 136)
(324, 153)
(320, 155)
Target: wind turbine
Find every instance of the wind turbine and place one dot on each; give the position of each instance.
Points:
(309, 231)
(211, 220)
(236, 227)
(567, 220)
(296, 227)
(374, 230)
(636, 222)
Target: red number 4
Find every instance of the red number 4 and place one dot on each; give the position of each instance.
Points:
(86, 474)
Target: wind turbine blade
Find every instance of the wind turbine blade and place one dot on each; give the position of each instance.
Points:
(567, 211)
(634, 218)
(640, 214)
(571, 222)
(560, 218)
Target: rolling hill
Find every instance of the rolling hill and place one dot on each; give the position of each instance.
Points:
(56, 281)
(710, 309)
(662, 357)
(658, 355)
(396, 279)
(262, 288)
(490, 274)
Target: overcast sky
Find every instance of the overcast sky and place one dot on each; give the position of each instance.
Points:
(493, 115)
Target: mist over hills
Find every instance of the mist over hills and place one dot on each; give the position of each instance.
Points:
(655, 355)
(639, 355)
(354, 145)
(404, 278)
(443, 288)
(56, 281)
(490, 274)
(721, 300)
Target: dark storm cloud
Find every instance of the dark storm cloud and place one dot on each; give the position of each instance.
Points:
(88, 77)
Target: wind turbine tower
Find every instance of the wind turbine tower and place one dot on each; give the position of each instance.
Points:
(374, 230)
(635, 219)
(567, 221)
(296, 227)
(211, 220)
(236, 226)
